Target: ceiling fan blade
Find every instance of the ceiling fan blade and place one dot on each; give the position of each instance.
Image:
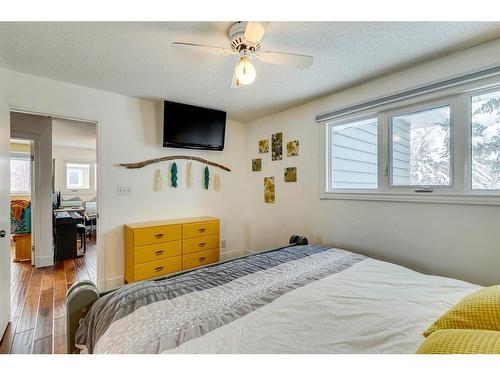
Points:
(254, 31)
(199, 48)
(287, 59)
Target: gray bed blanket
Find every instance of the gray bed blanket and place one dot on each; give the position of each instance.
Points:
(153, 316)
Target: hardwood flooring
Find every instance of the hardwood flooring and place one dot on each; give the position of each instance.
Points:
(38, 312)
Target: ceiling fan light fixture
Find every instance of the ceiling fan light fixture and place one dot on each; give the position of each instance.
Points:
(245, 71)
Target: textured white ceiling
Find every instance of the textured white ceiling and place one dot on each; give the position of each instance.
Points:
(135, 59)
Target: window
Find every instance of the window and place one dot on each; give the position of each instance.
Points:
(79, 175)
(20, 174)
(485, 141)
(420, 152)
(429, 148)
(354, 155)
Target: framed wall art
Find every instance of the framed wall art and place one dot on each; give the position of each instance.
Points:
(277, 146)
(256, 165)
(269, 190)
(291, 174)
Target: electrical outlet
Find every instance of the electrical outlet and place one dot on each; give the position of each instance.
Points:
(223, 244)
(123, 190)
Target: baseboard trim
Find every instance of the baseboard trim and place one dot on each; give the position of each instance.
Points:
(44, 261)
(113, 283)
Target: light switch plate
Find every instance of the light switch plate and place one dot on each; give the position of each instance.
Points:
(123, 190)
(223, 244)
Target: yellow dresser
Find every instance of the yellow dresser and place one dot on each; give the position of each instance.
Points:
(158, 248)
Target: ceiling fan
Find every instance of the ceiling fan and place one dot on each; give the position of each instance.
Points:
(245, 38)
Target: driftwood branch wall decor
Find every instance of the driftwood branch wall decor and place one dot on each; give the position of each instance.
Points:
(166, 158)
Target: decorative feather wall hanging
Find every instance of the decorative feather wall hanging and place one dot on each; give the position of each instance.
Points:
(173, 175)
(189, 175)
(157, 181)
(216, 182)
(206, 178)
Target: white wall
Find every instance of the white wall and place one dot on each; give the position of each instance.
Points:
(452, 240)
(129, 130)
(40, 129)
(61, 153)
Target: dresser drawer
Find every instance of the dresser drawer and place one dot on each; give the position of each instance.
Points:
(200, 258)
(154, 235)
(148, 253)
(157, 268)
(201, 243)
(206, 228)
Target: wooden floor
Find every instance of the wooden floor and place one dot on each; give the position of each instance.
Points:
(38, 323)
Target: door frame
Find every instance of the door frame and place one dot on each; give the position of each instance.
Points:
(5, 309)
(34, 140)
(34, 155)
(100, 282)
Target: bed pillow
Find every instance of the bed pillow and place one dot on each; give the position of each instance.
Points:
(461, 341)
(479, 310)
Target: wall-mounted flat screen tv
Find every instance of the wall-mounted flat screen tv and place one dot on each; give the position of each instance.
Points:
(187, 126)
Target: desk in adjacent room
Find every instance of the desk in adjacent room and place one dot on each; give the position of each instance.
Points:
(65, 234)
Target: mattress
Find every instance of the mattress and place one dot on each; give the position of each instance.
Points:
(300, 299)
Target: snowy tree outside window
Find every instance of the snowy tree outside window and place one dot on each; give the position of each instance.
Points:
(485, 136)
(421, 148)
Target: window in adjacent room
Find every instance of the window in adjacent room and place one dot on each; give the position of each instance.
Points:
(20, 173)
(485, 141)
(79, 175)
(420, 149)
(354, 154)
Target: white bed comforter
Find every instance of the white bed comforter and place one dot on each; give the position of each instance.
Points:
(371, 307)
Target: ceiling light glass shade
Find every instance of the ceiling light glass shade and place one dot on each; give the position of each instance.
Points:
(245, 71)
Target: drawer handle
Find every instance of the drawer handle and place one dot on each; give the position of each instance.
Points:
(202, 259)
(201, 230)
(201, 244)
(159, 235)
(159, 252)
(158, 269)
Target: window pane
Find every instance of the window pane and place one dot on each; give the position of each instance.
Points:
(354, 161)
(20, 176)
(421, 148)
(486, 141)
(77, 176)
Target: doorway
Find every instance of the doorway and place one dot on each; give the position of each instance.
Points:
(21, 202)
(57, 158)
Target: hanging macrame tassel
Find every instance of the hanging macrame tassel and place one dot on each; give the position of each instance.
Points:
(173, 175)
(216, 182)
(207, 178)
(157, 181)
(189, 175)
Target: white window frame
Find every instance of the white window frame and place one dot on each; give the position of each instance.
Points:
(460, 191)
(409, 189)
(92, 176)
(19, 155)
